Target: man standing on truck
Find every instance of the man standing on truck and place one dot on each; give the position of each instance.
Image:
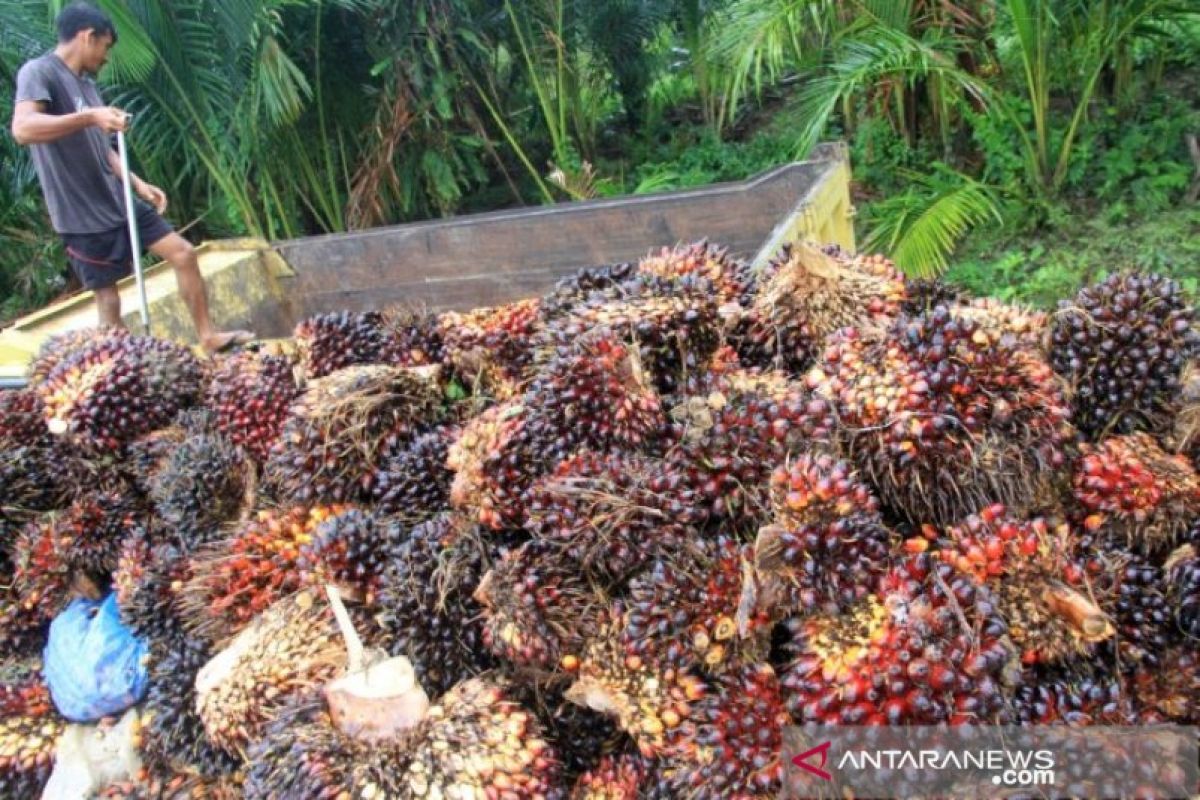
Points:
(59, 114)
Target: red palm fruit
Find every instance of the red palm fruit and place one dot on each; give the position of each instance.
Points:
(1128, 488)
(826, 545)
(947, 413)
(88, 534)
(616, 777)
(492, 346)
(730, 745)
(700, 259)
(1122, 344)
(929, 648)
(575, 289)
(113, 390)
(23, 690)
(683, 611)
(57, 348)
(338, 429)
(538, 608)
(250, 394)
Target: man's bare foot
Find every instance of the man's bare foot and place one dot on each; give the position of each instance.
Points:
(223, 340)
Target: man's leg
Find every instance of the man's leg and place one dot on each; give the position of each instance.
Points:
(182, 256)
(108, 306)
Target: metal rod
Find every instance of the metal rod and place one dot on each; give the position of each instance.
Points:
(135, 244)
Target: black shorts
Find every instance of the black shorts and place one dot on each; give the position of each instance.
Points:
(102, 259)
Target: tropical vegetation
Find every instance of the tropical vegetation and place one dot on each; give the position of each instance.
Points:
(993, 138)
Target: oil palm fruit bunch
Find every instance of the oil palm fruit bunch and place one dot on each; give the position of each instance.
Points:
(302, 754)
(580, 736)
(803, 295)
(1036, 580)
(537, 607)
(425, 604)
(171, 786)
(23, 691)
(612, 513)
(61, 346)
(648, 701)
(683, 611)
(477, 742)
(148, 453)
(27, 746)
(88, 534)
(730, 745)
(675, 325)
(350, 549)
(946, 414)
(574, 289)
(593, 392)
(1173, 690)
(1133, 589)
(1182, 569)
(926, 294)
(329, 342)
(151, 573)
(1072, 695)
(113, 390)
(492, 346)
(291, 649)
(22, 419)
(36, 591)
(496, 459)
(201, 485)
(617, 776)
(417, 334)
(701, 259)
(1030, 328)
(413, 478)
(927, 648)
(36, 478)
(238, 578)
(250, 394)
(171, 734)
(1123, 344)
(729, 437)
(826, 544)
(1131, 490)
(337, 429)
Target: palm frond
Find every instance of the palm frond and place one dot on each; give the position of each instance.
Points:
(920, 228)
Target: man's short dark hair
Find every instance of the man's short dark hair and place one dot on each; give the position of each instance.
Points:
(81, 17)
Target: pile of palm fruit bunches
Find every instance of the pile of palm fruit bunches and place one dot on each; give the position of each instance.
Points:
(625, 533)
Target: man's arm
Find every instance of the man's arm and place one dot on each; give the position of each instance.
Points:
(31, 125)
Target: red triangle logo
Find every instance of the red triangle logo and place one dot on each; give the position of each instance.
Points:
(821, 750)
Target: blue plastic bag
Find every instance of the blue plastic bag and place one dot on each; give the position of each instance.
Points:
(94, 665)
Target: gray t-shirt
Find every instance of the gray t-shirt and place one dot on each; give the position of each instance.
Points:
(81, 192)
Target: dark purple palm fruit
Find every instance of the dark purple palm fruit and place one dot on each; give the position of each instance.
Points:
(250, 394)
(329, 342)
(203, 483)
(1182, 574)
(413, 478)
(57, 348)
(700, 259)
(574, 289)
(1123, 344)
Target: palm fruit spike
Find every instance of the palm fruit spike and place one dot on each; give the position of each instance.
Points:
(234, 580)
(148, 580)
(57, 348)
(27, 745)
(612, 513)
(730, 745)
(700, 259)
(201, 485)
(804, 295)
(114, 390)
(413, 478)
(495, 460)
(826, 545)
(329, 342)
(250, 394)
(22, 419)
(729, 438)
(425, 605)
(674, 323)
(492, 346)
(331, 443)
(683, 612)
(1182, 570)
(649, 702)
(172, 735)
(351, 550)
(23, 690)
(947, 414)
(476, 742)
(538, 609)
(292, 649)
(1038, 584)
(1130, 489)
(574, 289)
(929, 648)
(1123, 344)
(593, 392)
